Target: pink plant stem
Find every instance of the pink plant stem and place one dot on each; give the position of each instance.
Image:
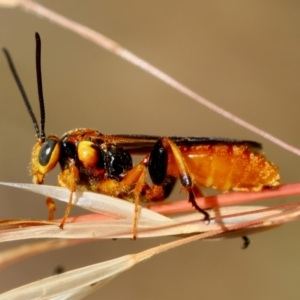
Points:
(226, 199)
(221, 200)
(117, 49)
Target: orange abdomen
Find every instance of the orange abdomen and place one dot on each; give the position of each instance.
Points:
(230, 167)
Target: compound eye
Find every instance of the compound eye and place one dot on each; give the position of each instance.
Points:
(49, 155)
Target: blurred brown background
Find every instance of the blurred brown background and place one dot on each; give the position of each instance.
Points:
(241, 55)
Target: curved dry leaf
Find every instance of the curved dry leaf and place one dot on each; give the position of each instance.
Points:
(91, 201)
(75, 284)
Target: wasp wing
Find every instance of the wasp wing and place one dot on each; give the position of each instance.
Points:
(141, 144)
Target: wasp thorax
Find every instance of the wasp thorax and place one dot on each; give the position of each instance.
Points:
(88, 154)
(45, 156)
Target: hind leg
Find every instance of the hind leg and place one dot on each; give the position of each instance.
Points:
(158, 169)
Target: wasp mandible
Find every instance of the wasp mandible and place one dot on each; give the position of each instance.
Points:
(102, 163)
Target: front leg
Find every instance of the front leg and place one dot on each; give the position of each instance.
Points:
(68, 178)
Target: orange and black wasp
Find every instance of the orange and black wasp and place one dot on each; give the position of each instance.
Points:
(90, 160)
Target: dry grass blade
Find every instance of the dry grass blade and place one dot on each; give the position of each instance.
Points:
(112, 229)
(9, 3)
(81, 282)
(77, 283)
(151, 224)
(18, 253)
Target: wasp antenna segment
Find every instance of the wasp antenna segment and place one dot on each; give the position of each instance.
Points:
(38, 54)
(22, 91)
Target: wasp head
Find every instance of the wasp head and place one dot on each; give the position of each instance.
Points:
(44, 158)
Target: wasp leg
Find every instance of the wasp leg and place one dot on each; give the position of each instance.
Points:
(132, 181)
(246, 242)
(67, 211)
(137, 192)
(197, 192)
(130, 187)
(158, 169)
(51, 207)
(68, 178)
(158, 192)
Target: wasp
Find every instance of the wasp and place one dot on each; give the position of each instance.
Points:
(90, 160)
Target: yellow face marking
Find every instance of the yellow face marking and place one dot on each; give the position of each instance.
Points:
(44, 158)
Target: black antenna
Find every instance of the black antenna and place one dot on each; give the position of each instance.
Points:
(22, 91)
(40, 85)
